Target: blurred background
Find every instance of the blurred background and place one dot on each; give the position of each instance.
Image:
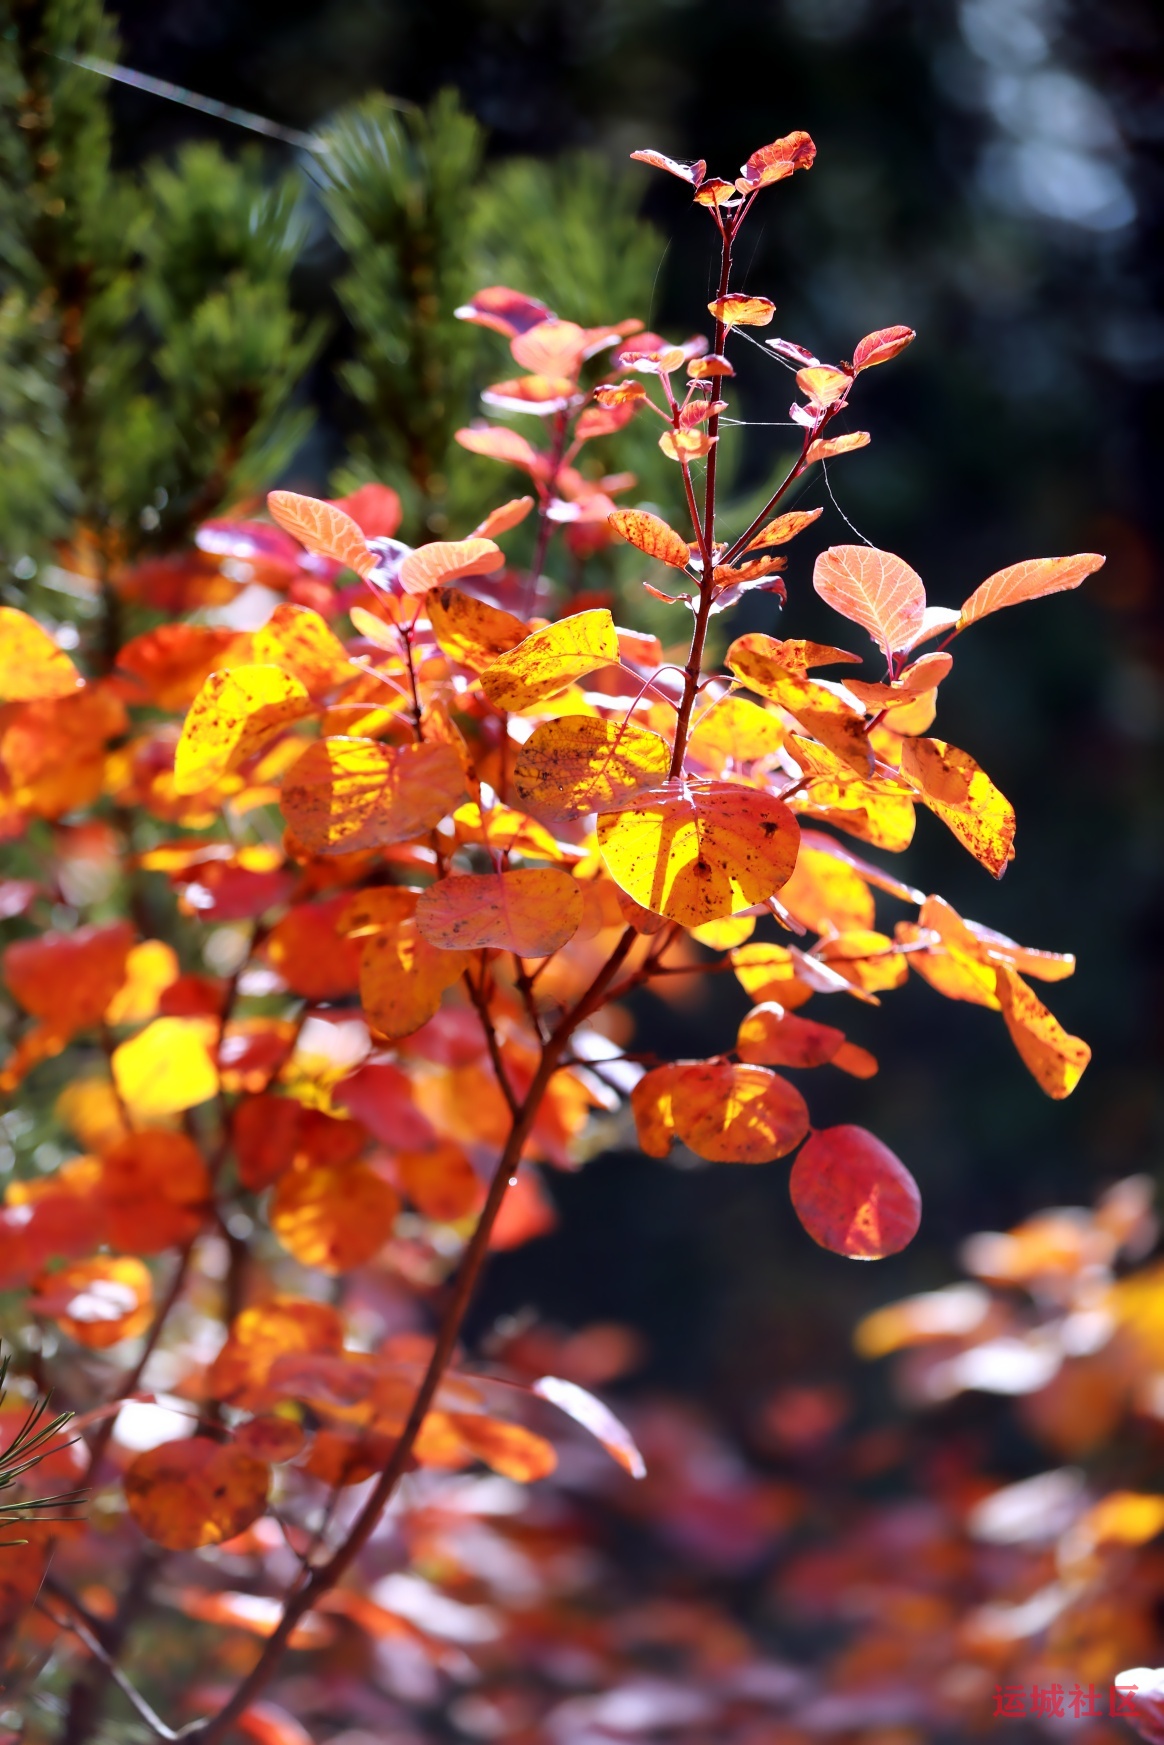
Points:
(991, 174)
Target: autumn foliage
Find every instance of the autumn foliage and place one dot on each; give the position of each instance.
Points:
(454, 826)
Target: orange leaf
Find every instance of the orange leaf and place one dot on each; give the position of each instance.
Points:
(963, 796)
(173, 661)
(825, 713)
(1028, 581)
(306, 948)
(875, 589)
(772, 163)
(768, 972)
(736, 310)
(97, 1302)
(232, 717)
(68, 979)
(652, 536)
(702, 369)
(552, 348)
(509, 1449)
(784, 528)
(828, 447)
(32, 667)
(282, 1326)
(696, 853)
(297, 639)
(826, 893)
(532, 911)
(879, 347)
(447, 559)
(270, 1438)
(548, 660)
(323, 529)
(346, 794)
(333, 1218)
(195, 1492)
(823, 386)
(507, 446)
(156, 1190)
(601, 1422)
(579, 764)
(651, 1106)
(686, 445)
(770, 1036)
(469, 631)
(853, 1196)
(402, 978)
(732, 1113)
(440, 1182)
(1054, 1058)
(501, 519)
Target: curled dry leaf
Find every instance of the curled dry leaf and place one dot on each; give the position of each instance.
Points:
(579, 1404)
(1028, 581)
(651, 535)
(579, 764)
(233, 717)
(879, 347)
(32, 667)
(736, 310)
(775, 162)
(469, 631)
(548, 660)
(323, 529)
(963, 796)
(736, 1113)
(875, 589)
(195, 1492)
(853, 1195)
(446, 559)
(347, 794)
(699, 853)
(532, 911)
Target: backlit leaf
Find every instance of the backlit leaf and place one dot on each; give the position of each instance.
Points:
(440, 1182)
(879, 347)
(1055, 1059)
(280, 1327)
(867, 959)
(346, 794)
(505, 516)
(156, 1190)
(601, 1422)
(510, 1449)
(1028, 581)
(532, 911)
(784, 528)
(652, 536)
(736, 310)
(68, 979)
(232, 717)
(471, 632)
(195, 1492)
(151, 967)
(323, 529)
(769, 973)
(853, 1195)
(548, 660)
(579, 764)
(736, 1113)
(698, 853)
(736, 731)
(875, 589)
(447, 559)
(770, 1036)
(504, 445)
(828, 447)
(773, 163)
(402, 978)
(827, 894)
(32, 667)
(504, 311)
(97, 1302)
(686, 445)
(651, 1106)
(167, 1067)
(552, 348)
(963, 796)
(298, 640)
(374, 508)
(333, 1217)
(687, 172)
(823, 386)
(823, 712)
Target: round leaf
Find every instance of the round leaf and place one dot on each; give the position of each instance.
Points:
(737, 1113)
(875, 589)
(195, 1492)
(532, 911)
(345, 794)
(32, 667)
(232, 717)
(579, 764)
(853, 1195)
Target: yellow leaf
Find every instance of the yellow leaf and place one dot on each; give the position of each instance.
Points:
(1056, 1060)
(532, 911)
(736, 1113)
(723, 935)
(823, 386)
(469, 631)
(869, 960)
(825, 714)
(297, 639)
(509, 831)
(1124, 1518)
(579, 764)
(232, 717)
(550, 659)
(734, 731)
(825, 893)
(32, 667)
(698, 854)
(738, 310)
(768, 972)
(402, 978)
(323, 529)
(149, 970)
(347, 794)
(651, 1106)
(963, 796)
(167, 1067)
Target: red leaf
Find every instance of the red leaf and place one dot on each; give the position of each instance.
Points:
(853, 1195)
(879, 347)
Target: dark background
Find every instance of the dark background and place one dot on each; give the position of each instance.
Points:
(991, 174)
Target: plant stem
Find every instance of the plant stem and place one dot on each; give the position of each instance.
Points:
(545, 525)
(727, 234)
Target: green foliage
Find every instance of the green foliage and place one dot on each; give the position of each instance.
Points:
(399, 189)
